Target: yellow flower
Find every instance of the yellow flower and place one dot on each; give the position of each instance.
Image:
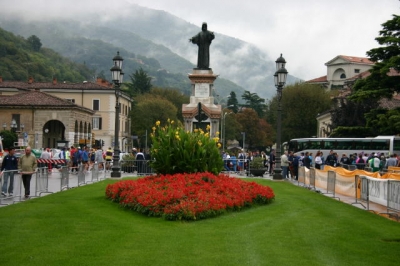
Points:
(199, 143)
(219, 145)
(172, 121)
(177, 137)
(216, 139)
(158, 123)
(168, 120)
(208, 127)
(153, 128)
(207, 134)
(176, 132)
(196, 130)
(217, 133)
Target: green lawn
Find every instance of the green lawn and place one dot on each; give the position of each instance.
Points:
(301, 227)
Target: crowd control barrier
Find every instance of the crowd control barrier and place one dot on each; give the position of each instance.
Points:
(64, 183)
(140, 167)
(383, 191)
(357, 189)
(81, 175)
(42, 181)
(393, 198)
(312, 179)
(331, 182)
(301, 179)
(11, 178)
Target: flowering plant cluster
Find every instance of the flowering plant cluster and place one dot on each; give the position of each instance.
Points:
(176, 151)
(188, 196)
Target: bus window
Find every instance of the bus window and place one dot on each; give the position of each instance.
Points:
(381, 144)
(329, 145)
(359, 144)
(344, 145)
(396, 145)
(304, 145)
(315, 145)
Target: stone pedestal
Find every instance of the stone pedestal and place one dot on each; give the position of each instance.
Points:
(202, 86)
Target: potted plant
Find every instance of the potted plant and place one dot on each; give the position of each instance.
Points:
(257, 167)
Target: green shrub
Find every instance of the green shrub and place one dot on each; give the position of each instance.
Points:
(177, 151)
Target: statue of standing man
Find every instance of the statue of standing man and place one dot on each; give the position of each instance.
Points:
(203, 39)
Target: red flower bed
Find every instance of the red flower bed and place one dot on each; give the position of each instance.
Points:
(188, 196)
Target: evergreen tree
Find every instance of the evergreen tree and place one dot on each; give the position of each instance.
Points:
(382, 83)
(233, 103)
(140, 83)
(35, 43)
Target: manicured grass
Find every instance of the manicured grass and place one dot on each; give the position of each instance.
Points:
(81, 227)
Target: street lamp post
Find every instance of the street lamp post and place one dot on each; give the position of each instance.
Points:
(280, 80)
(117, 77)
(22, 126)
(244, 138)
(13, 125)
(223, 130)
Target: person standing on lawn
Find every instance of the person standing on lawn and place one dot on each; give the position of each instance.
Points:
(10, 165)
(27, 166)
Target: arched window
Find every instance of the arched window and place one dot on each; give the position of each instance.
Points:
(343, 76)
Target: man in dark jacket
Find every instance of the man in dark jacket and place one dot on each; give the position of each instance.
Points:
(10, 166)
(271, 162)
(331, 159)
(307, 160)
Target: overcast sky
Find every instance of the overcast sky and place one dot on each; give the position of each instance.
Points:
(308, 32)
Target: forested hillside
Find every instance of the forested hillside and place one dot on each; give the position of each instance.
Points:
(21, 58)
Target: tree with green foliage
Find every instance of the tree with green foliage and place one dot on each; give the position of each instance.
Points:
(384, 78)
(233, 103)
(176, 97)
(384, 122)
(149, 109)
(349, 114)
(140, 83)
(252, 100)
(258, 131)
(8, 138)
(301, 103)
(35, 43)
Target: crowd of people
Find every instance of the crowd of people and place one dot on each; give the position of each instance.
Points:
(72, 157)
(290, 161)
(375, 161)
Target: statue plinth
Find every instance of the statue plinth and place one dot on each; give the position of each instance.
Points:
(202, 85)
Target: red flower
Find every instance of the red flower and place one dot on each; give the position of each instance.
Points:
(188, 196)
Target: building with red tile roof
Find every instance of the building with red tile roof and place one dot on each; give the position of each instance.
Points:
(73, 112)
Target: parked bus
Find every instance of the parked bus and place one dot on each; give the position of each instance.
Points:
(381, 144)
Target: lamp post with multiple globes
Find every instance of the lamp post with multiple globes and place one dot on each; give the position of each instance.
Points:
(117, 78)
(280, 80)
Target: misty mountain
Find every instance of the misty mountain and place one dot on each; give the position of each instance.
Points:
(154, 35)
(97, 54)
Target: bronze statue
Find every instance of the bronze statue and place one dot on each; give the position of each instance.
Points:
(203, 39)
